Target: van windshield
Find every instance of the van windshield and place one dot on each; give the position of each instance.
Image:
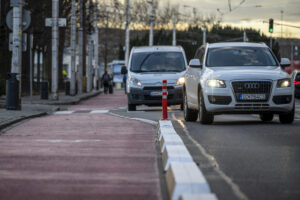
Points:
(240, 56)
(157, 62)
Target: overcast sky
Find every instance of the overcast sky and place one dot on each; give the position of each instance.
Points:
(251, 13)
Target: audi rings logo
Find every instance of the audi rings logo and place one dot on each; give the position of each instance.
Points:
(251, 85)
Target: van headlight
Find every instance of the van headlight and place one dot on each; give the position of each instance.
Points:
(284, 83)
(180, 81)
(214, 83)
(135, 82)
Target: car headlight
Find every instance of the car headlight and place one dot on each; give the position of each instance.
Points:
(180, 81)
(284, 83)
(135, 82)
(213, 83)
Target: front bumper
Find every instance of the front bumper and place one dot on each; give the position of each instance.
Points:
(143, 95)
(281, 100)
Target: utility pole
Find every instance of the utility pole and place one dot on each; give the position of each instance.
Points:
(281, 12)
(90, 50)
(55, 41)
(127, 40)
(174, 30)
(245, 36)
(204, 36)
(73, 49)
(80, 31)
(31, 65)
(16, 63)
(151, 23)
(96, 85)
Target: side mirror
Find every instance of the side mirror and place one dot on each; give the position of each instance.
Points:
(124, 70)
(195, 63)
(285, 62)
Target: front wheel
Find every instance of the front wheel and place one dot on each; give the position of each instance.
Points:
(189, 114)
(287, 118)
(266, 117)
(131, 107)
(204, 116)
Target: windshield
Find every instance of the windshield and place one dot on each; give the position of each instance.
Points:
(240, 56)
(157, 62)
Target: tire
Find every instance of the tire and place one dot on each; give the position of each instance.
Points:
(287, 118)
(189, 114)
(131, 107)
(266, 117)
(204, 116)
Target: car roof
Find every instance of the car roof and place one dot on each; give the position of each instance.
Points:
(157, 48)
(236, 44)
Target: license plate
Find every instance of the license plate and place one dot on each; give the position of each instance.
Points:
(155, 94)
(252, 96)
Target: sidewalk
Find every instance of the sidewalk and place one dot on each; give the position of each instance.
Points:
(81, 154)
(39, 107)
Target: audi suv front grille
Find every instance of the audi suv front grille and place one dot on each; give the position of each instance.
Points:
(255, 91)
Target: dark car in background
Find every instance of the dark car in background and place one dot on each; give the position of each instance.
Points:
(296, 78)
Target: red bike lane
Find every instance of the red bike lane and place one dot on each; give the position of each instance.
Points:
(80, 156)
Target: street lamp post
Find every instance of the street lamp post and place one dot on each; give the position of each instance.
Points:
(90, 50)
(127, 40)
(151, 23)
(55, 41)
(174, 30)
(96, 43)
(73, 49)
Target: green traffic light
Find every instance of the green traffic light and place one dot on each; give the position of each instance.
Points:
(271, 30)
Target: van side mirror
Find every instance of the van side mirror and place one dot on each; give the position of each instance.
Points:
(124, 70)
(285, 62)
(195, 63)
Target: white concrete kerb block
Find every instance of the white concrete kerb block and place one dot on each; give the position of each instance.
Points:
(185, 178)
(170, 140)
(175, 153)
(169, 131)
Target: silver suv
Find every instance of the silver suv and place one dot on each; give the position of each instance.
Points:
(238, 78)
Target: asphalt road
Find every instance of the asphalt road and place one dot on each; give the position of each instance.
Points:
(241, 157)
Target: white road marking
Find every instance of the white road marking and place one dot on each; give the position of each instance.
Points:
(99, 111)
(68, 141)
(64, 112)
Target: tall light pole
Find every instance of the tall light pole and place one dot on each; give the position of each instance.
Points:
(81, 50)
(127, 40)
(204, 35)
(90, 50)
(73, 49)
(281, 12)
(151, 24)
(96, 43)
(174, 30)
(55, 41)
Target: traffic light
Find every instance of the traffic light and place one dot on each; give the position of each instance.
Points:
(271, 22)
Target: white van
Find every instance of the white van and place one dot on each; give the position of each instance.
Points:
(148, 67)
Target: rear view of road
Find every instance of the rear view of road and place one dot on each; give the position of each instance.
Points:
(85, 154)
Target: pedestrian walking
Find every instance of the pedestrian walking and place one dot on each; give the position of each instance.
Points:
(106, 79)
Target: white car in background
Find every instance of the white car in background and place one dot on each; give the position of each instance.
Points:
(147, 68)
(238, 78)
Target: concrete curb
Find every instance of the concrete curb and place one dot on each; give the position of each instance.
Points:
(184, 179)
(19, 119)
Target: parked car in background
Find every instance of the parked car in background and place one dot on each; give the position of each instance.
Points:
(238, 78)
(296, 78)
(147, 68)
